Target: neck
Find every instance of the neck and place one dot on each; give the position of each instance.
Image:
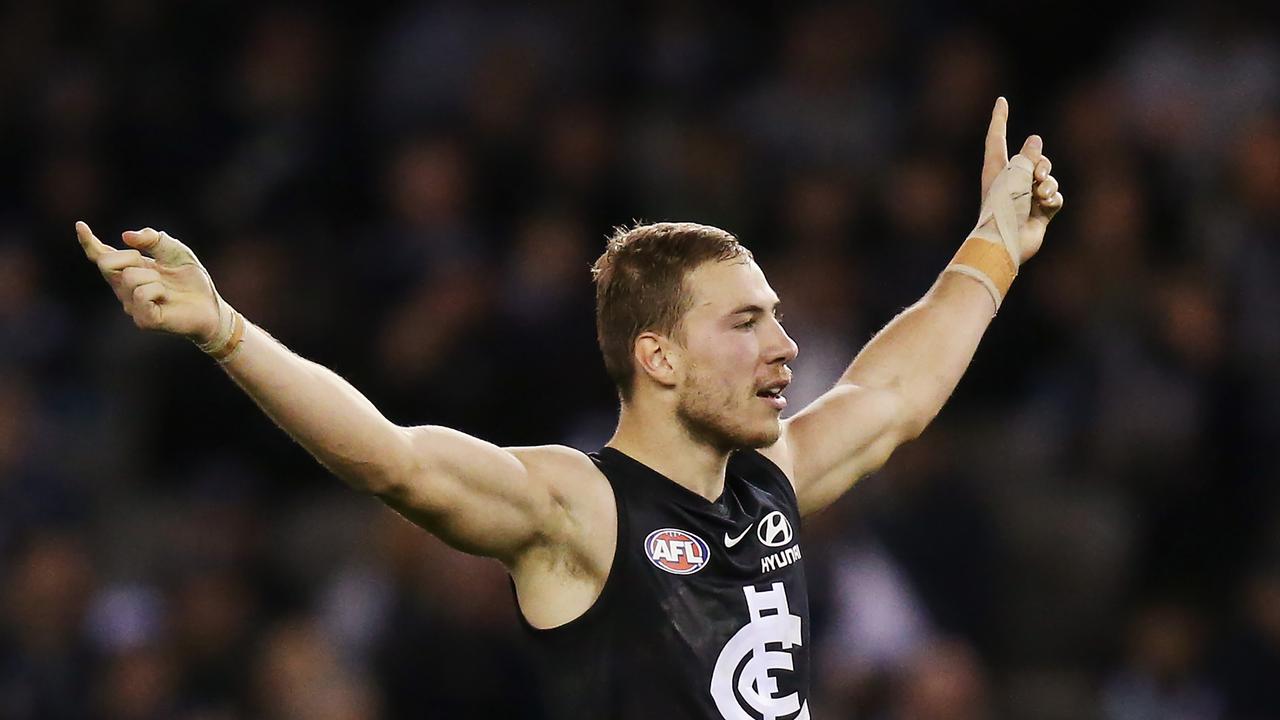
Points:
(656, 438)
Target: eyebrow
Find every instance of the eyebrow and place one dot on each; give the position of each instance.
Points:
(755, 309)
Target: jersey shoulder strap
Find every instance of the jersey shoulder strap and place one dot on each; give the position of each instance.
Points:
(763, 473)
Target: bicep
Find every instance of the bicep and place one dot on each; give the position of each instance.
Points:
(847, 433)
(476, 496)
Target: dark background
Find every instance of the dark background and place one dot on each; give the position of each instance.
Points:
(411, 194)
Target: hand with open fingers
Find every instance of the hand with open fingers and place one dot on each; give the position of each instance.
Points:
(161, 285)
(1019, 196)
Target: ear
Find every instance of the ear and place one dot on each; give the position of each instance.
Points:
(657, 357)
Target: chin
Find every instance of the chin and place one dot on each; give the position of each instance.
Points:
(719, 431)
(765, 438)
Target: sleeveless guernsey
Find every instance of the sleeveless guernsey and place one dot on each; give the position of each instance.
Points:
(705, 613)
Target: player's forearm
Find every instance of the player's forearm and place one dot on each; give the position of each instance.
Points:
(922, 354)
(321, 411)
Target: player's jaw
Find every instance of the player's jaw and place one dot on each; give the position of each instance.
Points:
(730, 416)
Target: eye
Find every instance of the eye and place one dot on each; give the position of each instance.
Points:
(746, 325)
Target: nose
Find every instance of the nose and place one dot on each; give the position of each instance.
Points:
(782, 349)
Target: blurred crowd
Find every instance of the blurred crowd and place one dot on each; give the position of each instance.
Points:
(411, 194)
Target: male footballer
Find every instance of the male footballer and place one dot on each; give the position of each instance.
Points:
(662, 576)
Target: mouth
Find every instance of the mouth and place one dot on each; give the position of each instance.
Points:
(772, 394)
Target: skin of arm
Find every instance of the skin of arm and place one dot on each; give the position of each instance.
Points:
(474, 495)
(901, 379)
(895, 386)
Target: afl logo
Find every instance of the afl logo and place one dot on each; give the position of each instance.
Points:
(676, 551)
(774, 530)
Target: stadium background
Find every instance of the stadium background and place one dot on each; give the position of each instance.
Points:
(411, 195)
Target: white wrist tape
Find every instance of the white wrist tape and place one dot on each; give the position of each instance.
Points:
(228, 353)
(226, 325)
(991, 253)
(1009, 203)
(230, 336)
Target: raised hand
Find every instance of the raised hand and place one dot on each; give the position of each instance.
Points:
(160, 283)
(1019, 196)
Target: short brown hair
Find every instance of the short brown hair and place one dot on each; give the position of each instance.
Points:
(640, 285)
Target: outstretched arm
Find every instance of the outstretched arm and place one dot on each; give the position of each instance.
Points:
(477, 497)
(899, 382)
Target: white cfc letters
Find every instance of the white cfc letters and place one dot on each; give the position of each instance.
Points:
(771, 623)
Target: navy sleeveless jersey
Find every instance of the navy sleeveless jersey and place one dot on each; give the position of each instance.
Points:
(705, 613)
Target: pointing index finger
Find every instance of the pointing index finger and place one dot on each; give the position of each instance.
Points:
(996, 152)
(997, 148)
(92, 246)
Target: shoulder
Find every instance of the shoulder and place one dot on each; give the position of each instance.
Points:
(556, 463)
(572, 478)
(763, 468)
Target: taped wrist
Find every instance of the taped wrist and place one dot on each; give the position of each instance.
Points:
(987, 263)
(991, 253)
(225, 343)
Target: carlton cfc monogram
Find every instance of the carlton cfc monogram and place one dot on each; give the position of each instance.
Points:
(744, 681)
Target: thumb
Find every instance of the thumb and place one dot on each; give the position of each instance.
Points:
(143, 240)
(1032, 149)
(160, 245)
